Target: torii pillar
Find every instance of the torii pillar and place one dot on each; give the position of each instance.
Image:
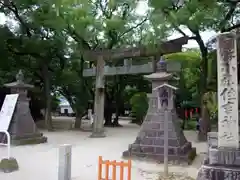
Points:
(100, 56)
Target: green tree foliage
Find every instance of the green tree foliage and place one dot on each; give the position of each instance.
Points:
(50, 38)
(139, 105)
(198, 16)
(189, 76)
(212, 105)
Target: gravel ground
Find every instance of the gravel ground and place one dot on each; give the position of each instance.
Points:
(38, 162)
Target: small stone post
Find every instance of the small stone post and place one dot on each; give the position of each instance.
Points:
(64, 166)
(166, 117)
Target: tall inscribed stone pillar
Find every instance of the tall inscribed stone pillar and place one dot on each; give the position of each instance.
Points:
(149, 143)
(223, 157)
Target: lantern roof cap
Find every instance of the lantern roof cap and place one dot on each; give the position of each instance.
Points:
(19, 83)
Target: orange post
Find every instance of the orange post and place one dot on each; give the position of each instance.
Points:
(100, 162)
(114, 174)
(121, 170)
(114, 164)
(129, 175)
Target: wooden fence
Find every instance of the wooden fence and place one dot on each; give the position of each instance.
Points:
(113, 165)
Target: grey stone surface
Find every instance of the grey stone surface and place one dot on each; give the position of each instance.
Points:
(220, 163)
(223, 157)
(149, 143)
(98, 135)
(40, 162)
(65, 162)
(207, 172)
(22, 129)
(212, 139)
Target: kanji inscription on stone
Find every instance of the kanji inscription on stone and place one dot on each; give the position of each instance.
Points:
(227, 91)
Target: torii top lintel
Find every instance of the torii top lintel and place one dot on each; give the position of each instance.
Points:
(167, 47)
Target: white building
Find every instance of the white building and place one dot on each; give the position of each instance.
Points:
(65, 108)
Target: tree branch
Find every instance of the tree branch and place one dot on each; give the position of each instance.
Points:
(104, 10)
(13, 8)
(228, 16)
(78, 38)
(180, 31)
(20, 53)
(232, 28)
(175, 26)
(134, 27)
(72, 32)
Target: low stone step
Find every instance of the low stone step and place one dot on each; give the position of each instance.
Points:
(57, 124)
(36, 140)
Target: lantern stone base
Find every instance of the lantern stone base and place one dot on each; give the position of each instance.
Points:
(98, 135)
(37, 138)
(149, 144)
(139, 152)
(220, 163)
(23, 129)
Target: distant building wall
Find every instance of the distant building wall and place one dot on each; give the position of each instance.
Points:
(66, 109)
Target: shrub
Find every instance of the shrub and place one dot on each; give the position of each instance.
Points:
(212, 105)
(139, 106)
(190, 124)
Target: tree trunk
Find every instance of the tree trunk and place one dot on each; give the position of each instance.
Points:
(108, 110)
(47, 88)
(205, 125)
(118, 101)
(183, 124)
(78, 120)
(108, 117)
(116, 122)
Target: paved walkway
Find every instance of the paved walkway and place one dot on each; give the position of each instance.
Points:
(39, 162)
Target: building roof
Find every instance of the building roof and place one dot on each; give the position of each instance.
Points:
(19, 83)
(64, 103)
(165, 85)
(159, 76)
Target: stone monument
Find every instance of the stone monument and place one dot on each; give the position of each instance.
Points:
(22, 129)
(87, 122)
(223, 157)
(149, 143)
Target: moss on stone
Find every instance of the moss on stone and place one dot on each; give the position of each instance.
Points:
(37, 140)
(191, 155)
(9, 165)
(174, 176)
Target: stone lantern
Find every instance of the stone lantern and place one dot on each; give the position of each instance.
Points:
(23, 129)
(149, 143)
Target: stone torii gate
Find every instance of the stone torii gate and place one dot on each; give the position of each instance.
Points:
(100, 56)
